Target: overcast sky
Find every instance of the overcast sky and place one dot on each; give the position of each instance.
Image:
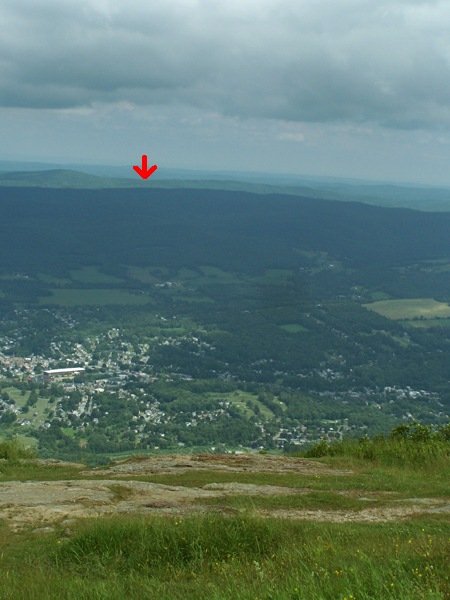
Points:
(351, 88)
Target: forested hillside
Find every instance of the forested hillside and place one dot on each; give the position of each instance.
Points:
(213, 317)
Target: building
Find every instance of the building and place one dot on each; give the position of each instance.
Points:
(51, 374)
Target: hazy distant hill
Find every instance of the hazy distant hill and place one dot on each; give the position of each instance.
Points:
(417, 197)
(69, 178)
(59, 178)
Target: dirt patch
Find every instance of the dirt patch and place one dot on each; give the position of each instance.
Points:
(249, 489)
(253, 463)
(43, 502)
(368, 515)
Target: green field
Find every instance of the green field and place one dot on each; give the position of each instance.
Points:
(201, 276)
(293, 328)
(143, 274)
(427, 323)
(244, 401)
(52, 280)
(410, 308)
(92, 275)
(16, 394)
(36, 413)
(80, 297)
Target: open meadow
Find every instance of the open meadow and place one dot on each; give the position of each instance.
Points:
(100, 297)
(410, 308)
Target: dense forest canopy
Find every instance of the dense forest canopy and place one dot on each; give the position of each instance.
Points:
(232, 230)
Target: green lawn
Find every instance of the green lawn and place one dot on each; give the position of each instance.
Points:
(35, 413)
(16, 394)
(239, 399)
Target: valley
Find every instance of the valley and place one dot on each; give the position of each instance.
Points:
(216, 321)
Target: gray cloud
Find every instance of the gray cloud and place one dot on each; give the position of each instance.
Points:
(359, 61)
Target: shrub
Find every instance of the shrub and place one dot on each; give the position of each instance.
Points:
(322, 448)
(413, 431)
(13, 450)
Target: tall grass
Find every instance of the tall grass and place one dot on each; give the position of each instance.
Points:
(230, 558)
(128, 543)
(413, 444)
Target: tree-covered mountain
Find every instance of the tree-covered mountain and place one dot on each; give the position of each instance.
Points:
(231, 230)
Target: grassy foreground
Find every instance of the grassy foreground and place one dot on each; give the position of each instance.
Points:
(245, 556)
(234, 558)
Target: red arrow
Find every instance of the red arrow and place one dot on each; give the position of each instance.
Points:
(144, 171)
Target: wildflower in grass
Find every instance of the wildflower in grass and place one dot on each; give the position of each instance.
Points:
(258, 569)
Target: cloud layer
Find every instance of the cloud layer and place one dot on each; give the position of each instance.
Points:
(356, 61)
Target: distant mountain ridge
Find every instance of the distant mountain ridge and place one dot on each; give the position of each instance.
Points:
(399, 196)
(59, 178)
